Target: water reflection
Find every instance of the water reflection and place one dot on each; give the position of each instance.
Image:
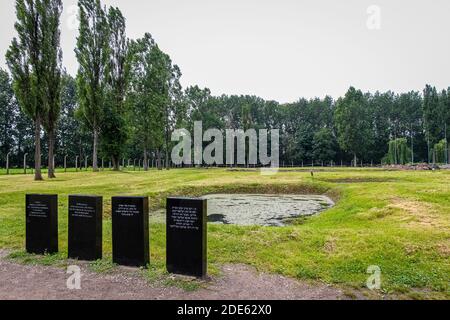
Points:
(257, 209)
(265, 210)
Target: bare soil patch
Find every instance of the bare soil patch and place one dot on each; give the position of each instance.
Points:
(360, 180)
(418, 214)
(24, 282)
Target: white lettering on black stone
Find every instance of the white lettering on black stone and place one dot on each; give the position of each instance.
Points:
(127, 210)
(184, 218)
(82, 210)
(38, 210)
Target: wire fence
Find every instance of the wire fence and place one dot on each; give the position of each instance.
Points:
(79, 164)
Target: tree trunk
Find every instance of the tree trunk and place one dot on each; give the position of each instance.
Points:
(158, 154)
(412, 146)
(95, 151)
(116, 163)
(37, 150)
(448, 155)
(167, 150)
(355, 161)
(167, 158)
(7, 163)
(446, 144)
(51, 146)
(145, 160)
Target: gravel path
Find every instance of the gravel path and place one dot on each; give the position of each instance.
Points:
(239, 282)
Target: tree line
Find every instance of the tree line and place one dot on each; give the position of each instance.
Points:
(126, 100)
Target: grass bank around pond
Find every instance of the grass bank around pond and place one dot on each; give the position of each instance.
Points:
(397, 220)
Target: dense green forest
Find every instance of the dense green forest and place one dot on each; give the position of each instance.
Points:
(127, 99)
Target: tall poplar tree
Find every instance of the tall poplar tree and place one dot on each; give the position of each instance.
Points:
(34, 59)
(93, 56)
(7, 115)
(432, 118)
(141, 94)
(159, 78)
(115, 118)
(152, 74)
(174, 109)
(52, 75)
(353, 123)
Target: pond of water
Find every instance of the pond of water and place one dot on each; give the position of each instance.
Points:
(257, 209)
(265, 210)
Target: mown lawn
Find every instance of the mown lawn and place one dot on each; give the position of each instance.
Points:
(399, 221)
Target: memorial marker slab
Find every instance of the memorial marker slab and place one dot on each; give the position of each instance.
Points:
(186, 236)
(130, 231)
(85, 227)
(41, 223)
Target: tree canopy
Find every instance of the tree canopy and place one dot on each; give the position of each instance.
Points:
(127, 99)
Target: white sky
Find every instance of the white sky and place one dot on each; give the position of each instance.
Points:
(284, 49)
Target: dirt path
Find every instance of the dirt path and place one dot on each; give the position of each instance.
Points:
(237, 282)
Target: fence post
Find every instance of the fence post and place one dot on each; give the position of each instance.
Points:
(65, 163)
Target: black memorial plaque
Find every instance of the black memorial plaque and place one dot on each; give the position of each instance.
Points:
(85, 227)
(41, 223)
(186, 236)
(130, 231)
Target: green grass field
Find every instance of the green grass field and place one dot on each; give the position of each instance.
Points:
(399, 221)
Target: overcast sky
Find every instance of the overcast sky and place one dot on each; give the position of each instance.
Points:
(285, 49)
